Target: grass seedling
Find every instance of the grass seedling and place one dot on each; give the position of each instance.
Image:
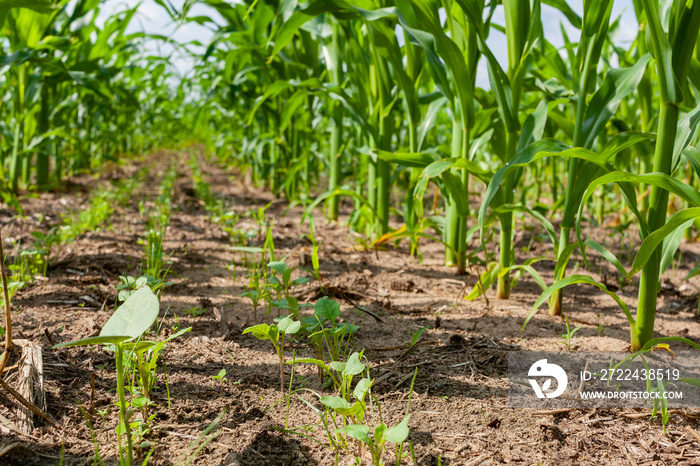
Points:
(660, 403)
(569, 334)
(415, 337)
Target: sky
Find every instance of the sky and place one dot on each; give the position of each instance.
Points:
(151, 18)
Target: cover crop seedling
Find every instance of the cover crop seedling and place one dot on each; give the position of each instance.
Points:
(122, 332)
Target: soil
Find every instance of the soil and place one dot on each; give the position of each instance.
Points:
(459, 412)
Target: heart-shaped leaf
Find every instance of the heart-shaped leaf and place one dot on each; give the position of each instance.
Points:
(135, 316)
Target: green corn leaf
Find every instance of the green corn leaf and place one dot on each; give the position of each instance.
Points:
(603, 105)
(408, 159)
(653, 342)
(625, 179)
(612, 258)
(623, 141)
(40, 6)
(685, 133)
(680, 220)
(671, 244)
(671, 91)
(571, 280)
(693, 156)
(546, 224)
(532, 153)
(566, 10)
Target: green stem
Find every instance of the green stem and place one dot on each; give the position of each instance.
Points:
(336, 133)
(643, 331)
(506, 252)
(123, 415)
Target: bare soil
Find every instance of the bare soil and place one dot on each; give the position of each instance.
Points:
(459, 412)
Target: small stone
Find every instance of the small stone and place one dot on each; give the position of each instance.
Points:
(685, 288)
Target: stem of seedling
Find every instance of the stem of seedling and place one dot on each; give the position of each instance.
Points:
(123, 414)
(8, 313)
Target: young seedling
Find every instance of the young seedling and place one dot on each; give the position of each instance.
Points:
(221, 377)
(285, 283)
(43, 245)
(660, 402)
(377, 440)
(276, 334)
(255, 298)
(332, 339)
(195, 311)
(415, 337)
(569, 334)
(122, 331)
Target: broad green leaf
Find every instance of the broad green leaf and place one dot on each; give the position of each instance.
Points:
(353, 366)
(623, 141)
(398, 433)
(327, 309)
(533, 152)
(362, 388)
(335, 402)
(353, 410)
(359, 432)
(289, 326)
(40, 6)
(671, 243)
(660, 180)
(135, 316)
(693, 156)
(408, 159)
(260, 331)
(278, 266)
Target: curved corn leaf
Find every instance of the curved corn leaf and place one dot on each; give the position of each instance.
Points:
(571, 280)
(678, 221)
(617, 84)
(624, 179)
(612, 258)
(546, 224)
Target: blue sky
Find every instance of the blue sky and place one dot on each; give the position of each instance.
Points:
(152, 18)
